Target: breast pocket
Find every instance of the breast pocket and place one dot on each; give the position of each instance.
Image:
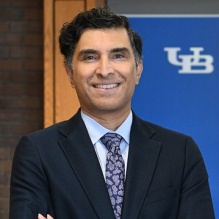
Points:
(160, 194)
(160, 204)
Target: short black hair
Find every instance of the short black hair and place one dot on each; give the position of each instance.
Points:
(96, 18)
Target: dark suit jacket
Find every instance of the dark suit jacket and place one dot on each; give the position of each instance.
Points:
(56, 171)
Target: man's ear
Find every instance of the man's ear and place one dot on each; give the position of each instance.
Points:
(70, 75)
(139, 70)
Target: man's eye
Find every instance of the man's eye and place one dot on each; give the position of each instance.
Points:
(118, 56)
(90, 58)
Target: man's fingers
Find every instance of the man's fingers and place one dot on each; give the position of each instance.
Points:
(40, 216)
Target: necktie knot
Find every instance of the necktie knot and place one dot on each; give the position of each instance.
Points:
(111, 141)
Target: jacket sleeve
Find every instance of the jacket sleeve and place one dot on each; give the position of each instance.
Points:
(195, 198)
(29, 194)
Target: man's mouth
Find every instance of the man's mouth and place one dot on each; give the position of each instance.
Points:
(106, 86)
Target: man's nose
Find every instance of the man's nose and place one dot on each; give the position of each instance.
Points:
(105, 67)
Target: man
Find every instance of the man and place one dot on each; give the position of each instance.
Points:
(105, 162)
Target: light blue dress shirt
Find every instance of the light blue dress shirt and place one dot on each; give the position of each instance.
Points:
(96, 131)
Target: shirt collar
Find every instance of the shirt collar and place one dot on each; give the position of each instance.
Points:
(96, 131)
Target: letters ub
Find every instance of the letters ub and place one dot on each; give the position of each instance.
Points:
(195, 63)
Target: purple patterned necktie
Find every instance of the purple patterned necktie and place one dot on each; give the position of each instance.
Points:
(115, 171)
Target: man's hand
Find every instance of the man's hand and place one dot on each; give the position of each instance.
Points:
(40, 216)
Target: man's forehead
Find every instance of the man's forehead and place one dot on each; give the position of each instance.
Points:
(106, 39)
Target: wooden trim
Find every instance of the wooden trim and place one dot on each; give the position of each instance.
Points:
(66, 101)
(48, 63)
(89, 4)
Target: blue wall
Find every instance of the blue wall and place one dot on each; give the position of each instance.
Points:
(179, 88)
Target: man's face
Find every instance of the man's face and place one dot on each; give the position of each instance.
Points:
(104, 71)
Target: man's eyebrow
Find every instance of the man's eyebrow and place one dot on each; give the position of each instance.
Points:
(87, 51)
(120, 49)
(117, 49)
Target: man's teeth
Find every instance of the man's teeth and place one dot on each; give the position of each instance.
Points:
(106, 86)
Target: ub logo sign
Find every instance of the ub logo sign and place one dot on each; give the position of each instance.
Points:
(195, 63)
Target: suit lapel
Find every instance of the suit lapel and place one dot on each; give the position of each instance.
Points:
(143, 156)
(79, 150)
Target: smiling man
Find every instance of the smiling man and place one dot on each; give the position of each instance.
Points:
(104, 73)
(105, 162)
